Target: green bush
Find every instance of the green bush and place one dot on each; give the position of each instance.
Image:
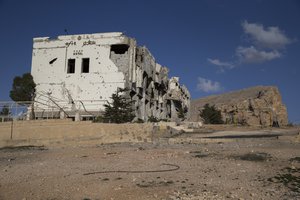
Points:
(211, 115)
(99, 119)
(120, 109)
(139, 121)
(181, 113)
(153, 119)
(165, 120)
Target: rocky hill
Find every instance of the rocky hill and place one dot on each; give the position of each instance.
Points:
(256, 106)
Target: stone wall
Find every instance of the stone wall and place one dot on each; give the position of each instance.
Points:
(257, 106)
(65, 132)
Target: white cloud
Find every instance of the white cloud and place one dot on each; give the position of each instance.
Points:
(220, 63)
(266, 44)
(207, 85)
(253, 55)
(271, 37)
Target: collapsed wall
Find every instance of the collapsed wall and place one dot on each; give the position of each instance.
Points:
(77, 74)
(261, 105)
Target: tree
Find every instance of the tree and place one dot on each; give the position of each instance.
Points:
(5, 111)
(23, 89)
(181, 113)
(211, 115)
(120, 109)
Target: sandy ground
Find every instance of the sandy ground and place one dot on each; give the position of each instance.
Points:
(239, 168)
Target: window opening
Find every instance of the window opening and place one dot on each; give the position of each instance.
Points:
(71, 66)
(85, 65)
(119, 48)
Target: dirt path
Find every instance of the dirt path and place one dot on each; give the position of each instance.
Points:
(264, 168)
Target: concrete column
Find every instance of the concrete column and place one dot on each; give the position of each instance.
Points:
(28, 115)
(174, 114)
(77, 116)
(62, 115)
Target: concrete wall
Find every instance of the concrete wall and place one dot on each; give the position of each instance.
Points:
(115, 61)
(50, 70)
(65, 132)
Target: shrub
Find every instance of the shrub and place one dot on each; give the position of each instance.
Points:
(139, 121)
(153, 119)
(182, 113)
(120, 109)
(211, 115)
(99, 119)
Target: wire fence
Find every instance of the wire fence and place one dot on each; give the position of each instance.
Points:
(49, 109)
(10, 110)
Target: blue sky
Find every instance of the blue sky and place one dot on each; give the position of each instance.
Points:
(215, 46)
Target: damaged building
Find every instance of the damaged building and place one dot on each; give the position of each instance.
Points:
(77, 74)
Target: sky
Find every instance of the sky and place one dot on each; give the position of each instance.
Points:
(214, 46)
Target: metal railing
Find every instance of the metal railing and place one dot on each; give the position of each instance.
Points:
(48, 108)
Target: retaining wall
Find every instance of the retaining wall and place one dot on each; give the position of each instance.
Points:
(52, 132)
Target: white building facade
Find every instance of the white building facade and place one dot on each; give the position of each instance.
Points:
(77, 74)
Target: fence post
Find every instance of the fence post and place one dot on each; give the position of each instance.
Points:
(11, 128)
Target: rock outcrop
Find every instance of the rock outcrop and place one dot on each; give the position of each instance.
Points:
(256, 106)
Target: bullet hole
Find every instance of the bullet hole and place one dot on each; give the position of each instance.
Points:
(52, 61)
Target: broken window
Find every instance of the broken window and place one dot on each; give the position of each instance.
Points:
(119, 48)
(85, 65)
(151, 105)
(71, 66)
(132, 93)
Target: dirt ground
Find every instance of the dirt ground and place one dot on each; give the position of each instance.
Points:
(233, 168)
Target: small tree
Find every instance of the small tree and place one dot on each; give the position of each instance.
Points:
(23, 89)
(181, 113)
(5, 112)
(120, 110)
(211, 115)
